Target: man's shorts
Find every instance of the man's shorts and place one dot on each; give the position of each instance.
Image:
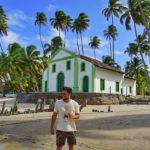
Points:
(61, 137)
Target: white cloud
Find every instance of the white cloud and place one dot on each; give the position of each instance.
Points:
(17, 18)
(51, 7)
(13, 37)
(119, 53)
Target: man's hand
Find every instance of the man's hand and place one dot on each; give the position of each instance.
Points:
(52, 131)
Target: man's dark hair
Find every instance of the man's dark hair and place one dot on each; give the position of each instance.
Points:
(68, 89)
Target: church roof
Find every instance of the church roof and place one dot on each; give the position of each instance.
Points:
(100, 64)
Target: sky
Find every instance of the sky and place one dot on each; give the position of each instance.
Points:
(21, 15)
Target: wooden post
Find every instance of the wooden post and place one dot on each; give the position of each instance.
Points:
(42, 105)
(3, 108)
(37, 105)
(15, 109)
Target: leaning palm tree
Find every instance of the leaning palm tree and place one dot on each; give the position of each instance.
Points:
(94, 43)
(3, 24)
(83, 24)
(59, 21)
(144, 9)
(41, 20)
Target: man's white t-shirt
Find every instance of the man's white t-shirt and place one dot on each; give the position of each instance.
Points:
(62, 108)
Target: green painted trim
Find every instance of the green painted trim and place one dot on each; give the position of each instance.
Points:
(76, 74)
(53, 68)
(93, 77)
(42, 82)
(68, 65)
(57, 80)
(84, 82)
(102, 84)
(117, 86)
(67, 51)
(48, 78)
(61, 59)
(45, 86)
(82, 67)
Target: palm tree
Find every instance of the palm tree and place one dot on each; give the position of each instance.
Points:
(47, 48)
(82, 24)
(107, 60)
(94, 43)
(112, 31)
(41, 20)
(36, 67)
(144, 9)
(108, 36)
(3, 24)
(114, 8)
(76, 30)
(67, 26)
(59, 21)
(131, 50)
(132, 13)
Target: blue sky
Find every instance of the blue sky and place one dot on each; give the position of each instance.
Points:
(21, 14)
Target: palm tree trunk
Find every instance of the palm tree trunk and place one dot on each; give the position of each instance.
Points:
(113, 40)
(82, 43)
(110, 48)
(41, 38)
(78, 44)
(65, 39)
(143, 61)
(94, 54)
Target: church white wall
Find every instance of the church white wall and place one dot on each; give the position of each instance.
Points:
(110, 78)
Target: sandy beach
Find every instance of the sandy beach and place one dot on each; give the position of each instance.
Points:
(126, 128)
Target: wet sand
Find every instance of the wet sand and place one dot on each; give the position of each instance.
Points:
(126, 128)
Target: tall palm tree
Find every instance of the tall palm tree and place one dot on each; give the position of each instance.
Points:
(115, 8)
(59, 21)
(41, 20)
(76, 30)
(83, 24)
(108, 36)
(3, 24)
(67, 26)
(94, 43)
(112, 30)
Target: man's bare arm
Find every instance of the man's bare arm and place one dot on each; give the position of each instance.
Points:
(74, 116)
(53, 120)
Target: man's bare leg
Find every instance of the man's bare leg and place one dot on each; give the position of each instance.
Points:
(59, 147)
(71, 147)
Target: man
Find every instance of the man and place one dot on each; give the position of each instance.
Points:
(67, 111)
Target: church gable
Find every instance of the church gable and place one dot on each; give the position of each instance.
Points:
(62, 54)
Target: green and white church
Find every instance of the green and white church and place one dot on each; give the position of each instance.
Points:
(84, 74)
